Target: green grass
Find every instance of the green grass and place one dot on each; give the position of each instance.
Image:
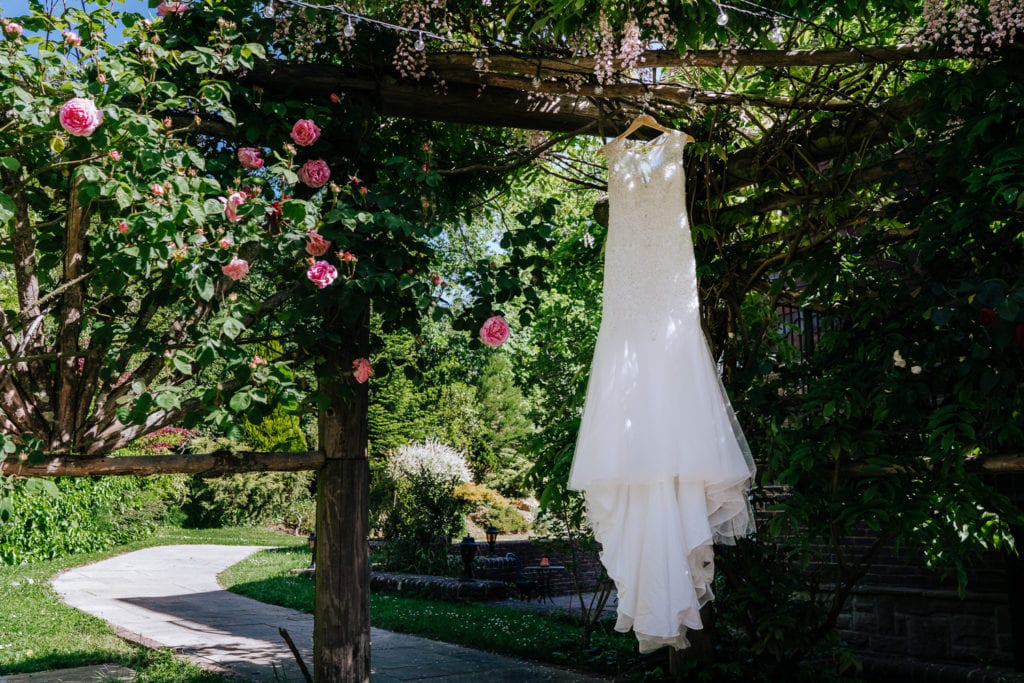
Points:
(506, 630)
(39, 632)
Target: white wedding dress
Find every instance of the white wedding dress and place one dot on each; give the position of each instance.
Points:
(660, 456)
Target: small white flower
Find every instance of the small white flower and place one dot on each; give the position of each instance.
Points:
(897, 359)
(915, 370)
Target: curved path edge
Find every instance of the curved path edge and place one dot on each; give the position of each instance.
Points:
(168, 596)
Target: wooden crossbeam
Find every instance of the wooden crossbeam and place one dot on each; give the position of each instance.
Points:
(222, 462)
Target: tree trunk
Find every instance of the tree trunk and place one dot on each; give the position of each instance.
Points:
(341, 630)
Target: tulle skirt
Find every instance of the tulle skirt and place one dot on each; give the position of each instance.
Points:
(665, 470)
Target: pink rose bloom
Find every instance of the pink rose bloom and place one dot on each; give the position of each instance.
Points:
(317, 245)
(495, 331)
(305, 132)
(115, 155)
(12, 29)
(235, 200)
(80, 116)
(165, 8)
(71, 38)
(122, 228)
(315, 173)
(335, 98)
(322, 273)
(361, 370)
(237, 269)
(250, 158)
(224, 243)
(157, 189)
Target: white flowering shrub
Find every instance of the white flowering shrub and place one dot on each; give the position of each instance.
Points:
(429, 457)
(416, 511)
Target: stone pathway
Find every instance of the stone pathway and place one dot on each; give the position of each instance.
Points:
(168, 596)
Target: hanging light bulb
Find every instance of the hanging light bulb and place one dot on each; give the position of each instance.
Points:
(478, 61)
(349, 29)
(723, 18)
(419, 44)
(598, 89)
(776, 34)
(268, 10)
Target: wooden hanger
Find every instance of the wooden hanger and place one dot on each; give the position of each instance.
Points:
(646, 120)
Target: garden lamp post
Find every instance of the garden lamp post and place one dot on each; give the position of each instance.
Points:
(492, 536)
(311, 539)
(468, 551)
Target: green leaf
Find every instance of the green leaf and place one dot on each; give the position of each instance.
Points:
(10, 163)
(182, 363)
(232, 328)
(205, 287)
(240, 402)
(7, 208)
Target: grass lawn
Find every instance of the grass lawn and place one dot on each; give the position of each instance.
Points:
(505, 630)
(39, 632)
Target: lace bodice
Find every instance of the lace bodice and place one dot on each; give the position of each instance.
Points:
(649, 264)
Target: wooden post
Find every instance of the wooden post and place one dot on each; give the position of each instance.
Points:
(341, 626)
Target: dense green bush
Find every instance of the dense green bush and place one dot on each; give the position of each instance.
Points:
(55, 518)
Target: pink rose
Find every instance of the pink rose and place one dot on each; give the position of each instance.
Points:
(250, 158)
(165, 8)
(361, 370)
(157, 189)
(317, 245)
(237, 269)
(71, 38)
(305, 132)
(335, 98)
(115, 155)
(349, 257)
(101, 78)
(257, 361)
(122, 228)
(12, 29)
(322, 273)
(224, 243)
(80, 116)
(234, 200)
(315, 173)
(495, 331)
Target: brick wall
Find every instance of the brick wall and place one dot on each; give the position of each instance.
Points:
(560, 582)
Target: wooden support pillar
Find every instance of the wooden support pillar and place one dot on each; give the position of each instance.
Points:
(341, 630)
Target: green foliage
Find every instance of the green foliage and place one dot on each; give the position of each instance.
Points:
(488, 507)
(51, 519)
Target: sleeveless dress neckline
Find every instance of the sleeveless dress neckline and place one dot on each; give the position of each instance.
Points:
(660, 455)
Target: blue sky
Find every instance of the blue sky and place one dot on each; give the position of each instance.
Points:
(13, 8)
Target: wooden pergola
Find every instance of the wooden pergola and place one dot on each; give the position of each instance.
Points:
(506, 95)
